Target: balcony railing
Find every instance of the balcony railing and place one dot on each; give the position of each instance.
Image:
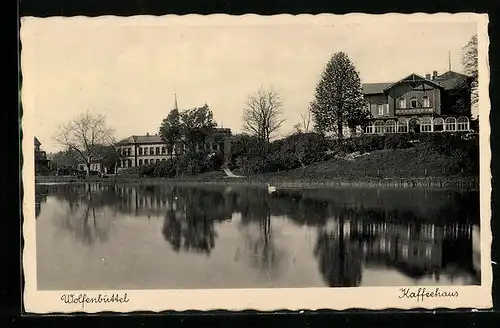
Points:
(410, 111)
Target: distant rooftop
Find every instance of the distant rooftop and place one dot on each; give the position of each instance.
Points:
(375, 88)
(155, 138)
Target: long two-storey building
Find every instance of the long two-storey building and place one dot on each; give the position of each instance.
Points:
(434, 103)
(138, 150)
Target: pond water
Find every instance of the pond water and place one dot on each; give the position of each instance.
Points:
(98, 236)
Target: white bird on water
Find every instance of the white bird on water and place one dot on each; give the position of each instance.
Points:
(270, 188)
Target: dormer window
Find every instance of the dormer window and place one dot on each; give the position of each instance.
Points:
(402, 103)
(413, 102)
(426, 102)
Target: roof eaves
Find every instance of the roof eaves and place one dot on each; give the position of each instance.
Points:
(413, 74)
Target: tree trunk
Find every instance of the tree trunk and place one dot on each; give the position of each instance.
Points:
(342, 252)
(353, 131)
(340, 132)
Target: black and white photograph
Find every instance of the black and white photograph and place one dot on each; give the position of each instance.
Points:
(256, 162)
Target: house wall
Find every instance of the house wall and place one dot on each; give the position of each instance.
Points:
(418, 94)
(96, 167)
(373, 101)
(437, 101)
(405, 91)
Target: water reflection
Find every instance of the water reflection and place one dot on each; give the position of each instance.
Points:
(417, 234)
(190, 217)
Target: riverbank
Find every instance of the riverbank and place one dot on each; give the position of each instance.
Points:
(280, 181)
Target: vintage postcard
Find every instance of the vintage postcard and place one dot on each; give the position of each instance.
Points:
(256, 162)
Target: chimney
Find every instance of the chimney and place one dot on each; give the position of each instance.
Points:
(434, 75)
(427, 76)
(147, 134)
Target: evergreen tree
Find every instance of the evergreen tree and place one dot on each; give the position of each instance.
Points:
(339, 97)
(470, 67)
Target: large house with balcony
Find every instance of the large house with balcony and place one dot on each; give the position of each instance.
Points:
(434, 103)
(148, 149)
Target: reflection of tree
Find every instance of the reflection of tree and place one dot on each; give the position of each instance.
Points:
(387, 230)
(303, 210)
(261, 246)
(190, 219)
(339, 258)
(84, 218)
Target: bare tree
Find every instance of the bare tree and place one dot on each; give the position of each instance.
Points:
(306, 121)
(262, 114)
(85, 135)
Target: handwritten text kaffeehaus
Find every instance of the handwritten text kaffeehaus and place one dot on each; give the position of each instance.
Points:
(422, 294)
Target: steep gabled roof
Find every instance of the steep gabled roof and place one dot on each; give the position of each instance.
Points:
(447, 81)
(37, 142)
(414, 78)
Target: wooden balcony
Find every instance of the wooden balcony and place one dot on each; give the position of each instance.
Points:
(413, 111)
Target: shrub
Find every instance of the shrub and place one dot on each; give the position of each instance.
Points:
(190, 164)
(214, 161)
(251, 165)
(397, 141)
(164, 169)
(289, 153)
(447, 143)
(309, 147)
(245, 146)
(364, 143)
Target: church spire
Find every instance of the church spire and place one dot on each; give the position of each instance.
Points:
(175, 103)
(449, 60)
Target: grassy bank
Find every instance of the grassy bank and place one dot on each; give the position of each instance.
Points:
(439, 161)
(405, 168)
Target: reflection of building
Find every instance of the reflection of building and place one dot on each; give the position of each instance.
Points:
(131, 199)
(40, 197)
(41, 161)
(157, 200)
(436, 103)
(415, 249)
(148, 149)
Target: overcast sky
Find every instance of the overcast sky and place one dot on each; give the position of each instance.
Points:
(130, 70)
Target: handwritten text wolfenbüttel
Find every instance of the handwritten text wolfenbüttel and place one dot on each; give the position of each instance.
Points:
(99, 299)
